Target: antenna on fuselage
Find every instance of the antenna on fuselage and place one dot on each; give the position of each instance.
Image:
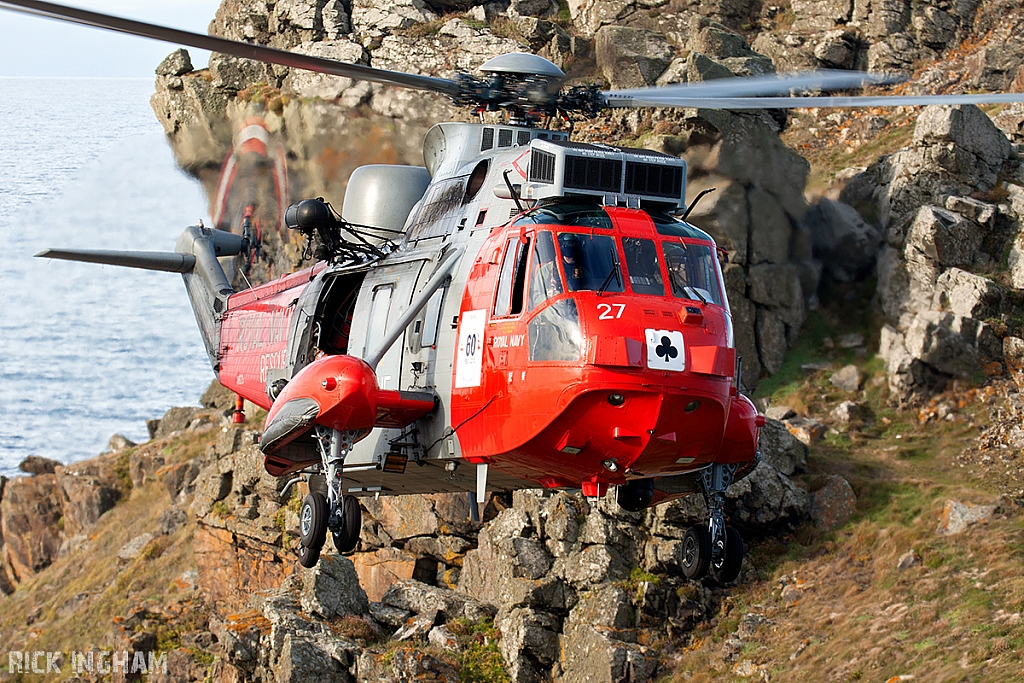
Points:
(696, 199)
(512, 191)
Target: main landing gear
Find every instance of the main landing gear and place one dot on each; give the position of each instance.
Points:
(717, 548)
(335, 512)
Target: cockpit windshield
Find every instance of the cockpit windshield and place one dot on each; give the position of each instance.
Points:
(544, 281)
(590, 262)
(642, 264)
(677, 260)
(691, 272)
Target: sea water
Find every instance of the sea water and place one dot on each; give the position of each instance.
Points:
(87, 351)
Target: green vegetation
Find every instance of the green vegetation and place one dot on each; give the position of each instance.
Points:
(564, 18)
(790, 384)
(263, 93)
(481, 660)
(167, 638)
(637, 578)
(123, 474)
(294, 501)
(281, 520)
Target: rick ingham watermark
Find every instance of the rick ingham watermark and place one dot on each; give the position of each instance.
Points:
(90, 661)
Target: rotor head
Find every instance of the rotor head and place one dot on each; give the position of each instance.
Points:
(522, 64)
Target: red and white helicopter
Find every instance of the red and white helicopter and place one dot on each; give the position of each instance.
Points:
(523, 311)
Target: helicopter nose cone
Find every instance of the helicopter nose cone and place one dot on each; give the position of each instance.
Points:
(610, 435)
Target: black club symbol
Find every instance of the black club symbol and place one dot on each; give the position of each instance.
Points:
(666, 350)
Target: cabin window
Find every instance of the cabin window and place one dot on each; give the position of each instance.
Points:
(476, 181)
(432, 318)
(642, 264)
(512, 279)
(380, 307)
(337, 307)
(691, 272)
(555, 333)
(545, 282)
(590, 262)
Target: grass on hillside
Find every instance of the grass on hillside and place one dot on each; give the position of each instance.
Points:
(848, 613)
(479, 659)
(818, 142)
(854, 315)
(80, 602)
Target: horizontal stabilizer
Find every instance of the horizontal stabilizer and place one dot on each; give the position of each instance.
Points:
(171, 262)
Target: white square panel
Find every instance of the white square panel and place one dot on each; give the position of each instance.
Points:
(469, 356)
(665, 350)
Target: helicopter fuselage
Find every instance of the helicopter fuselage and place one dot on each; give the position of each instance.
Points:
(574, 344)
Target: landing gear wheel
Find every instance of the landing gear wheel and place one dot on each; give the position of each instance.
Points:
(308, 557)
(729, 571)
(696, 553)
(313, 521)
(347, 537)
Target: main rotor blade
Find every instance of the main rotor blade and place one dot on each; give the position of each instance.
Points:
(167, 261)
(768, 84)
(809, 102)
(230, 47)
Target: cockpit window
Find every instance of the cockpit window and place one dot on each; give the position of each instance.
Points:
(512, 280)
(642, 264)
(673, 227)
(544, 280)
(555, 333)
(590, 262)
(691, 272)
(583, 215)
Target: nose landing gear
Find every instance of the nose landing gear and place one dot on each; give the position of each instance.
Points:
(717, 548)
(336, 512)
(346, 534)
(312, 528)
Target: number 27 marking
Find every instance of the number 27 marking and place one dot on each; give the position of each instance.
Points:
(606, 311)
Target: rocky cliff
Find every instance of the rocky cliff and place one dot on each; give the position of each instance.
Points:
(554, 584)
(185, 547)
